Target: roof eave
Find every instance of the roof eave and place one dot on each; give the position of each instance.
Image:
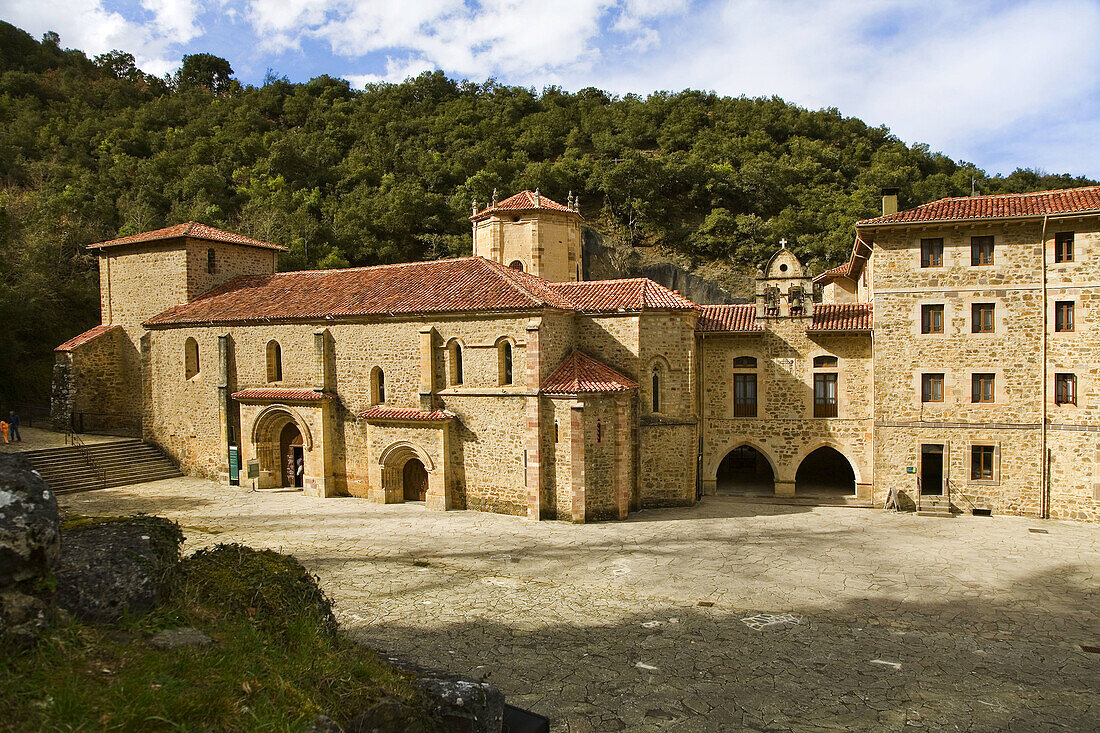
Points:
(872, 223)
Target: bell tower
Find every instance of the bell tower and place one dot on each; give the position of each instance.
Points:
(531, 232)
(783, 290)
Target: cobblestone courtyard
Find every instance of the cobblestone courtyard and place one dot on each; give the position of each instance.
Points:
(863, 620)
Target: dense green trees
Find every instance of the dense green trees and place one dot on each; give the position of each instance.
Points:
(92, 149)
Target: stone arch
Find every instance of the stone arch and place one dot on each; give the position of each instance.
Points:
(517, 265)
(839, 453)
(274, 417)
(393, 461)
(710, 467)
(783, 265)
(506, 360)
(657, 373)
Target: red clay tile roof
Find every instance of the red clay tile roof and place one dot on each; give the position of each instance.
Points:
(605, 296)
(409, 414)
(579, 373)
(439, 286)
(835, 272)
(189, 229)
(842, 317)
(739, 318)
(279, 393)
(1001, 206)
(523, 201)
(89, 335)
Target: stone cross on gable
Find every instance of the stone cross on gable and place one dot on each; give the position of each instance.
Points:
(783, 244)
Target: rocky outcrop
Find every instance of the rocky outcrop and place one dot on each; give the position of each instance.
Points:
(30, 547)
(463, 704)
(113, 568)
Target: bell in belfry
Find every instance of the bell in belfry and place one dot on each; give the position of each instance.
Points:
(794, 298)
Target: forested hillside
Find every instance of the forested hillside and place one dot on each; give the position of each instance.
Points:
(94, 148)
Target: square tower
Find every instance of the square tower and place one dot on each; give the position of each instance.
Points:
(530, 232)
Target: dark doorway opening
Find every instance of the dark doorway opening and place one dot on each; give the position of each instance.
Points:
(931, 469)
(745, 470)
(293, 455)
(414, 480)
(825, 471)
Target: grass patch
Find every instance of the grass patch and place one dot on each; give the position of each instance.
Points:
(277, 662)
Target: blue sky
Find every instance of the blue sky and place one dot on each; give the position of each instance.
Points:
(1004, 84)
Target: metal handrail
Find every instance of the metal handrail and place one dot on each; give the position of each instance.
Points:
(100, 473)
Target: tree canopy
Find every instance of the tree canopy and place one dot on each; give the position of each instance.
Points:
(94, 149)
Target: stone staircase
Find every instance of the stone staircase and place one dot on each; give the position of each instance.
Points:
(932, 505)
(101, 465)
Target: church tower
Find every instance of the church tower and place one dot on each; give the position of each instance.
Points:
(783, 289)
(530, 232)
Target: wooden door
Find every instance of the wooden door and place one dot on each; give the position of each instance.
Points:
(414, 480)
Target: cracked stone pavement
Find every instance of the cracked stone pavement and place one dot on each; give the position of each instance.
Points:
(863, 619)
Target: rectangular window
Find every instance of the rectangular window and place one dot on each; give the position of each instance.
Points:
(211, 262)
(982, 318)
(981, 250)
(931, 252)
(1063, 247)
(931, 388)
(981, 462)
(744, 395)
(931, 319)
(825, 403)
(983, 387)
(1063, 315)
(1065, 389)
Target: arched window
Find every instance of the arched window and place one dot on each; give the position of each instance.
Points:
(504, 359)
(377, 386)
(656, 389)
(456, 363)
(825, 362)
(190, 358)
(744, 362)
(516, 265)
(274, 362)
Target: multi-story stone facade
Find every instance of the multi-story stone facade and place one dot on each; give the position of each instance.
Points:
(503, 382)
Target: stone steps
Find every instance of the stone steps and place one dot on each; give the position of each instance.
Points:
(122, 462)
(934, 505)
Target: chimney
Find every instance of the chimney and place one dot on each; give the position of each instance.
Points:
(889, 201)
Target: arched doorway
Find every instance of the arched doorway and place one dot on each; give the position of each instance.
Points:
(745, 470)
(292, 454)
(825, 471)
(414, 480)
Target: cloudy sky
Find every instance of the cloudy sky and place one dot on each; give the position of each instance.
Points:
(1002, 83)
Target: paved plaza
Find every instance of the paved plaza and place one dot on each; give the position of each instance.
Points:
(725, 616)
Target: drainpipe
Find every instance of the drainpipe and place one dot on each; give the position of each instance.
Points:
(1044, 477)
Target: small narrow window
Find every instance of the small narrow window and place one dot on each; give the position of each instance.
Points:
(931, 388)
(190, 358)
(744, 395)
(981, 462)
(1063, 315)
(556, 437)
(931, 252)
(599, 432)
(931, 319)
(825, 362)
(274, 362)
(456, 363)
(504, 351)
(981, 250)
(1065, 389)
(982, 387)
(211, 261)
(744, 362)
(1063, 247)
(981, 318)
(825, 395)
(377, 386)
(656, 390)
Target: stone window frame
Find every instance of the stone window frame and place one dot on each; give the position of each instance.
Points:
(506, 361)
(659, 367)
(754, 370)
(926, 376)
(455, 367)
(976, 253)
(274, 361)
(998, 386)
(211, 261)
(994, 319)
(919, 462)
(836, 370)
(1076, 387)
(1060, 238)
(377, 385)
(918, 325)
(995, 480)
(1057, 305)
(926, 245)
(192, 362)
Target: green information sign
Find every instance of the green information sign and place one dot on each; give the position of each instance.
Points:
(234, 464)
(910, 469)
